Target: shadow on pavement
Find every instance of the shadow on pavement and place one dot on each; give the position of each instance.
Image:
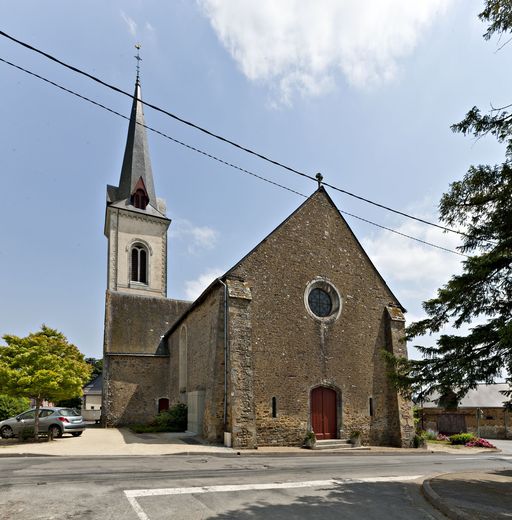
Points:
(355, 500)
(486, 495)
(130, 437)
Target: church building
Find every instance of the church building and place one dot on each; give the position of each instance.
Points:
(287, 341)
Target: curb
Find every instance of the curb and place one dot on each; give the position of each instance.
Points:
(233, 454)
(442, 504)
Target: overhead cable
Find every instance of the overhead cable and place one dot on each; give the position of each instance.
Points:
(226, 140)
(218, 159)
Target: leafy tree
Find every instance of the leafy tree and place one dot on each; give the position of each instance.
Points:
(481, 203)
(97, 366)
(11, 406)
(43, 365)
(97, 369)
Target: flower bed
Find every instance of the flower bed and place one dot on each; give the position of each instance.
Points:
(479, 443)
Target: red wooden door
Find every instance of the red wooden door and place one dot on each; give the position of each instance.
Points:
(323, 413)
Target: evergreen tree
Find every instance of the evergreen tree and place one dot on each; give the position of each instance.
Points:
(481, 204)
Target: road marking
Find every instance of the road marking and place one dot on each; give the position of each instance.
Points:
(133, 494)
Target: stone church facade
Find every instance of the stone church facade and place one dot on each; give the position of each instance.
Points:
(288, 341)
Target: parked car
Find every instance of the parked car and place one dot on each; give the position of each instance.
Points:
(54, 420)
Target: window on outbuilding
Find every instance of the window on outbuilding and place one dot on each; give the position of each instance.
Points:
(139, 267)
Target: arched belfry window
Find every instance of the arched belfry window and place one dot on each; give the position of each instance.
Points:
(139, 267)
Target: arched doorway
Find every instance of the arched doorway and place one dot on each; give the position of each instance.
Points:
(323, 413)
(163, 404)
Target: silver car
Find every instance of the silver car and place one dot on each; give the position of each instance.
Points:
(54, 420)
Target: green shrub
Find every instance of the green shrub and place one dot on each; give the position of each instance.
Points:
(172, 420)
(419, 441)
(143, 428)
(11, 406)
(309, 439)
(429, 435)
(27, 434)
(461, 438)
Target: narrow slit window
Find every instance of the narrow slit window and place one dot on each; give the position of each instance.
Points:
(370, 406)
(274, 407)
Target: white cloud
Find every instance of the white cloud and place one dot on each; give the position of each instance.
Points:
(130, 22)
(193, 288)
(196, 237)
(407, 261)
(415, 271)
(297, 46)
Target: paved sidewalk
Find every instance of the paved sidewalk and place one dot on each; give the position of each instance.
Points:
(472, 495)
(111, 441)
(97, 441)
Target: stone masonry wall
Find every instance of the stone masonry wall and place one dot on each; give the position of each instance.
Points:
(401, 421)
(135, 324)
(293, 351)
(134, 383)
(241, 366)
(205, 361)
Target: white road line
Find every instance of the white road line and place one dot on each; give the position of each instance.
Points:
(133, 494)
(137, 508)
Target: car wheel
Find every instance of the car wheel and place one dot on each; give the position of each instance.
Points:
(76, 434)
(55, 431)
(6, 432)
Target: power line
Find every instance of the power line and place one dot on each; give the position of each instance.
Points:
(226, 140)
(218, 159)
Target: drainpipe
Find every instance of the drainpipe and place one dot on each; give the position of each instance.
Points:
(225, 416)
(116, 265)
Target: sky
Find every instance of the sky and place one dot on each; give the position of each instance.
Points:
(363, 92)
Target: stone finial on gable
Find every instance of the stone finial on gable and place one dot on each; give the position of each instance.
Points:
(239, 289)
(395, 314)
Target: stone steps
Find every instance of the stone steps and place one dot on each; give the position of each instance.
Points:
(333, 444)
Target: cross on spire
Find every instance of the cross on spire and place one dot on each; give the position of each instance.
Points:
(139, 59)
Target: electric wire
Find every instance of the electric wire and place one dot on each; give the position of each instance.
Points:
(226, 140)
(218, 159)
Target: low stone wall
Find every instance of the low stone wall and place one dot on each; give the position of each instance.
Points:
(494, 423)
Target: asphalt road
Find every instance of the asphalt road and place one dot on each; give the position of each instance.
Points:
(193, 487)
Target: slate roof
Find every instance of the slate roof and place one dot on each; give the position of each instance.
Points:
(136, 163)
(484, 396)
(95, 386)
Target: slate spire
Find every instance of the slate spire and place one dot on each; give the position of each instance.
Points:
(136, 162)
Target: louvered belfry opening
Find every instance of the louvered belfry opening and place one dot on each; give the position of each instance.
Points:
(139, 264)
(139, 197)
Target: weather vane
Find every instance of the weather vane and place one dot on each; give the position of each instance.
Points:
(138, 58)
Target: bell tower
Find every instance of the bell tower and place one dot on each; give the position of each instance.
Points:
(135, 220)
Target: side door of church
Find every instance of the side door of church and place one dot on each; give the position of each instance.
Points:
(323, 413)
